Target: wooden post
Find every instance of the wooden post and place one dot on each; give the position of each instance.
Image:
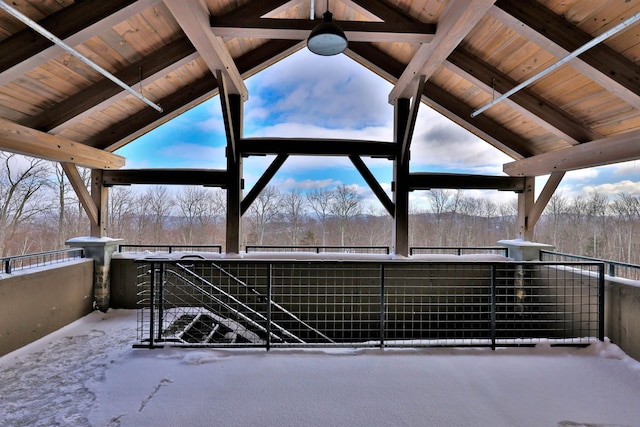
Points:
(525, 205)
(234, 174)
(99, 194)
(401, 181)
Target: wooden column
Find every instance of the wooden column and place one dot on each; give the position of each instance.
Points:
(99, 194)
(525, 205)
(401, 180)
(233, 118)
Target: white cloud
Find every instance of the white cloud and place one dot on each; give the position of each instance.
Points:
(581, 175)
(627, 168)
(612, 189)
(306, 184)
(303, 130)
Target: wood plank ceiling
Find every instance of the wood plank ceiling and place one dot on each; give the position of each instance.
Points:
(585, 113)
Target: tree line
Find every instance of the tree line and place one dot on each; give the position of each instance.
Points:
(39, 211)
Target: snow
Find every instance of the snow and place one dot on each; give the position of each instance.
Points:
(88, 374)
(305, 256)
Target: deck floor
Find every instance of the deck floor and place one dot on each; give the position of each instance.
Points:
(88, 374)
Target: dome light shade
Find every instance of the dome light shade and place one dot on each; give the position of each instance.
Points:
(327, 38)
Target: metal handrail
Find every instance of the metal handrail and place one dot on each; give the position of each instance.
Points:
(40, 258)
(174, 248)
(460, 250)
(316, 249)
(611, 265)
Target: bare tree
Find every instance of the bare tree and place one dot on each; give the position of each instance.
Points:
(198, 209)
(263, 210)
(320, 202)
(21, 179)
(121, 210)
(293, 205)
(627, 208)
(441, 202)
(346, 206)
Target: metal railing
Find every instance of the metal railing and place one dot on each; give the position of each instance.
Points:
(453, 250)
(319, 249)
(612, 268)
(368, 304)
(21, 262)
(170, 248)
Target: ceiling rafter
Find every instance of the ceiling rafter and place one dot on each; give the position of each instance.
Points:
(175, 104)
(75, 24)
(559, 37)
(455, 23)
(20, 139)
(380, 10)
(526, 102)
(614, 149)
(104, 92)
(193, 17)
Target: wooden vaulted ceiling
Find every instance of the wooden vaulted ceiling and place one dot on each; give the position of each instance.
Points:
(457, 54)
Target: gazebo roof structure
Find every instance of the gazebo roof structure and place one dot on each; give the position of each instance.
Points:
(456, 56)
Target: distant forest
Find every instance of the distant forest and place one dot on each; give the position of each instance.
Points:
(39, 211)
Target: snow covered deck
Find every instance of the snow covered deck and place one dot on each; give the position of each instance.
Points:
(88, 374)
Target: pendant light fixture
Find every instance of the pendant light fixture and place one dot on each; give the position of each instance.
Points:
(327, 38)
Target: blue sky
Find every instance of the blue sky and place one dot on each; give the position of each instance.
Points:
(306, 95)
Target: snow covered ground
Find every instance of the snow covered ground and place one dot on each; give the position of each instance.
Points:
(88, 374)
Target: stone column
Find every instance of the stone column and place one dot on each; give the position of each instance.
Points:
(523, 250)
(100, 250)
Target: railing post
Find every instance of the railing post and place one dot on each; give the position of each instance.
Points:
(382, 306)
(152, 297)
(269, 272)
(601, 302)
(493, 306)
(161, 300)
(612, 269)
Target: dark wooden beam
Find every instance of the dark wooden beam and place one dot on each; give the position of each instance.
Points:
(558, 36)
(231, 106)
(444, 103)
(400, 185)
(74, 24)
(205, 177)
(156, 62)
(373, 184)
(316, 147)
(411, 123)
(299, 29)
(525, 101)
(262, 182)
(428, 181)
